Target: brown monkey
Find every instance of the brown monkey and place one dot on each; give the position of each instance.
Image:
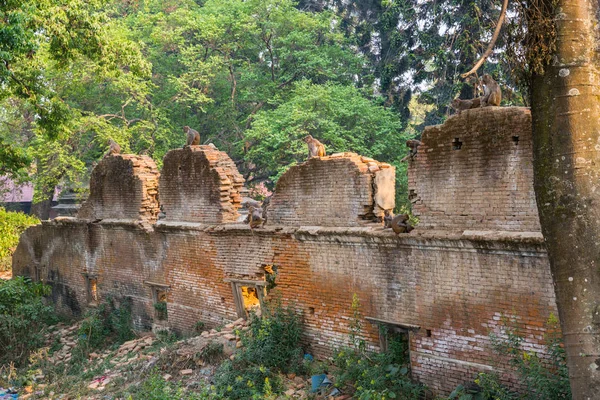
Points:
(254, 218)
(193, 137)
(265, 205)
(387, 219)
(413, 145)
(492, 95)
(113, 148)
(315, 148)
(461, 105)
(400, 224)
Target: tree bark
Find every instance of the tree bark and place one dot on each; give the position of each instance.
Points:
(566, 129)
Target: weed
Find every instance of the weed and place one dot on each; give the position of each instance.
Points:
(23, 315)
(212, 353)
(271, 346)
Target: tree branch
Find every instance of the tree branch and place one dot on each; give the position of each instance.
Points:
(488, 51)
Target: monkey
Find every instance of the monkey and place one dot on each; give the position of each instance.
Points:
(265, 205)
(461, 105)
(413, 145)
(193, 137)
(387, 219)
(315, 148)
(400, 224)
(113, 148)
(254, 218)
(492, 95)
(162, 214)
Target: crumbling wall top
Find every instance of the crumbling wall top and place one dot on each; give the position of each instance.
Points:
(123, 186)
(200, 184)
(475, 172)
(343, 189)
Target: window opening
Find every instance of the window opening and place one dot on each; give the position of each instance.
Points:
(92, 289)
(160, 304)
(456, 144)
(248, 296)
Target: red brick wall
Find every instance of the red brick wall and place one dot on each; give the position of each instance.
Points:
(455, 286)
(456, 289)
(123, 186)
(336, 190)
(487, 184)
(200, 184)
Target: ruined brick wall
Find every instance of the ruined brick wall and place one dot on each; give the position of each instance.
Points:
(456, 297)
(200, 184)
(123, 186)
(343, 189)
(452, 280)
(475, 172)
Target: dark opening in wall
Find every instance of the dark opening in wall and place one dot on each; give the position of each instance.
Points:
(515, 139)
(311, 310)
(428, 332)
(456, 144)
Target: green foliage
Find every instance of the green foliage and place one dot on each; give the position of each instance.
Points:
(375, 375)
(544, 378)
(12, 225)
(212, 353)
(23, 315)
(271, 346)
(340, 116)
(104, 325)
(154, 387)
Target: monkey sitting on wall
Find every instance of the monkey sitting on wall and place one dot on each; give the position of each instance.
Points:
(492, 95)
(460, 105)
(388, 216)
(113, 148)
(400, 224)
(254, 218)
(315, 148)
(413, 145)
(193, 137)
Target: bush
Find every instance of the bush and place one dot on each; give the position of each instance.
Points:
(23, 315)
(104, 325)
(12, 225)
(375, 375)
(544, 378)
(271, 346)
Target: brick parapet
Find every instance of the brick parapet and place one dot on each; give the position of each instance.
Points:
(123, 186)
(343, 189)
(475, 172)
(200, 184)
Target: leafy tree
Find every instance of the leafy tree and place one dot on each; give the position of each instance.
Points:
(12, 224)
(339, 116)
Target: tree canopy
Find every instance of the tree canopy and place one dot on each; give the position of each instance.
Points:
(251, 76)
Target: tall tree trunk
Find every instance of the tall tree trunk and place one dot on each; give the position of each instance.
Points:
(566, 126)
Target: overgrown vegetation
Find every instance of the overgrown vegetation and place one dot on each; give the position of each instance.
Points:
(271, 347)
(105, 325)
(543, 378)
(23, 315)
(12, 224)
(375, 375)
